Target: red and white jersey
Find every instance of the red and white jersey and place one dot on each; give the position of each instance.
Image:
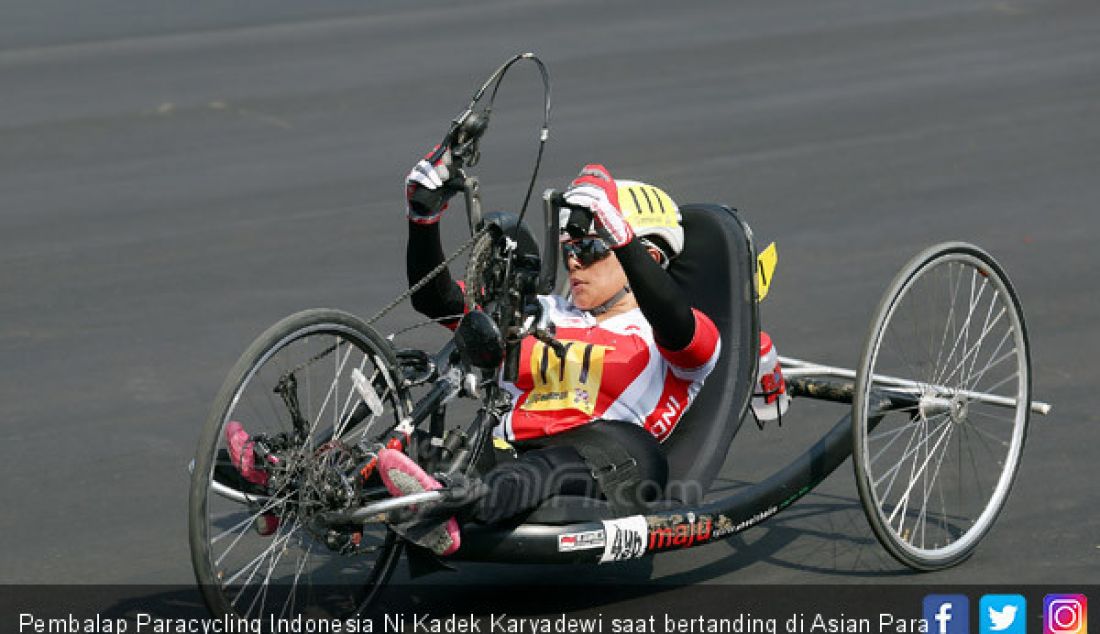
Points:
(611, 369)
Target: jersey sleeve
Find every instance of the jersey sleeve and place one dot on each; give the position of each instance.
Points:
(699, 357)
(441, 296)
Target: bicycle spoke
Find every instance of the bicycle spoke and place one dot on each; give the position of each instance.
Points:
(901, 461)
(950, 324)
(332, 393)
(242, 532)
(257, 561)
(1007, 379)
(352, 399)
(960, 367)
(922, 518)
(894, 434)
(949, 320)
(964, 331)
(288, 606)
(912, 476)
(273, 502)
(995, 417)
(304, 372)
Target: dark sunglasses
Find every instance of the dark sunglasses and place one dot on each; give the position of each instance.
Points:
(586, 250)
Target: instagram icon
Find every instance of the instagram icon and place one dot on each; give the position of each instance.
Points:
(1065, 614)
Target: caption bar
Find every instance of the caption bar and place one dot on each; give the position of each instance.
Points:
(799, 623)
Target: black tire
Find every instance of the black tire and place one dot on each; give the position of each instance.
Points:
(967, 398)
(305, 566)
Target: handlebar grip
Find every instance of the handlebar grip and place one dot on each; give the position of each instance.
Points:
(426, 202)
(559, 201)
(579, 223)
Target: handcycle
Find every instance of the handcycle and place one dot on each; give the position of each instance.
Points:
(939, 409)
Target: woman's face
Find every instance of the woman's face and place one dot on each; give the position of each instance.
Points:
(596, 283)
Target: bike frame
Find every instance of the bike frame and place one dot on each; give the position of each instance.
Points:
(622, 538)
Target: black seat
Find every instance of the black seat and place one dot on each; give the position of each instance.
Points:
(716, 271)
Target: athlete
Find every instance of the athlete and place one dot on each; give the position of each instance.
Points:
(588, 422)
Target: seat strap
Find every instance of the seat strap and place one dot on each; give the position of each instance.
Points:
(616, 472)
(614, 469)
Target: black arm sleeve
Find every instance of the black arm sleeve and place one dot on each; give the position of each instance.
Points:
(664, 305)
(442, 296)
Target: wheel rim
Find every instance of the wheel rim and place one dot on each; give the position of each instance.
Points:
(938, 471)
(303, 567)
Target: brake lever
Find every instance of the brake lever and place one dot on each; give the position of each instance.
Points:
(466, 130)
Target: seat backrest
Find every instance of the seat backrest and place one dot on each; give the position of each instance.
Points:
(716, 271)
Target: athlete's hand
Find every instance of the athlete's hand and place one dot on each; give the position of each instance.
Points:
(595, 189)
(430, 184)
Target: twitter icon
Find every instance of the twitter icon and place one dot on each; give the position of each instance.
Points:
(1002, 614)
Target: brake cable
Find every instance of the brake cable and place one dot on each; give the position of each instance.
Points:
(469, 145)
(429, 276)
(495, 79)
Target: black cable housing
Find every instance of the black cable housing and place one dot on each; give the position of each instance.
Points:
(495, 80)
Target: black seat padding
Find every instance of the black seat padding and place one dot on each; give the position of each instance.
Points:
(716, 271)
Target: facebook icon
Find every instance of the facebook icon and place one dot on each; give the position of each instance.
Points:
(947, 613)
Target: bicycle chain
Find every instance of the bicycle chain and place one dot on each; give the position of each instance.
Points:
(437, 320)
(429, 277)
(400, 298)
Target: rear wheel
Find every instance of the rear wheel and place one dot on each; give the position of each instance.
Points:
(312, 392)
(935, 465)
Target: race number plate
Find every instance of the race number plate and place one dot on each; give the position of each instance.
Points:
(765, 268)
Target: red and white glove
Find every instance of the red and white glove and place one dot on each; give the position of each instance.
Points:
(595, 189)
(426, 187)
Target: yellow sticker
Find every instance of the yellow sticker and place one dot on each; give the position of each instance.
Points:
(765, 268)
(570, 384)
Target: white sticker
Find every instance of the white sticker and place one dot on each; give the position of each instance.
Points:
(587, 540)
(625, 538)
(366, 392)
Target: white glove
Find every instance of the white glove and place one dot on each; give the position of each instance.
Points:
(595, 189)
(426, 186)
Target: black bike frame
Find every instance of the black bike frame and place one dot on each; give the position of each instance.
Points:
(635, 536)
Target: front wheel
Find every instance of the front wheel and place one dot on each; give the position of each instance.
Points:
(941, 406)
(309, 393)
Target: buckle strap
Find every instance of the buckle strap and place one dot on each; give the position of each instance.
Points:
(617, 475)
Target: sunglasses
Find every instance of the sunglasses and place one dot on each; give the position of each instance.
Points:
(586, 250)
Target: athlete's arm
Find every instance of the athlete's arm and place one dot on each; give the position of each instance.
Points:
(442, 296)
(686, 336)
(426, 192)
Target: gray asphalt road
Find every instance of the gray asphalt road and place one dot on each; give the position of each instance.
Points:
(173, 180)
